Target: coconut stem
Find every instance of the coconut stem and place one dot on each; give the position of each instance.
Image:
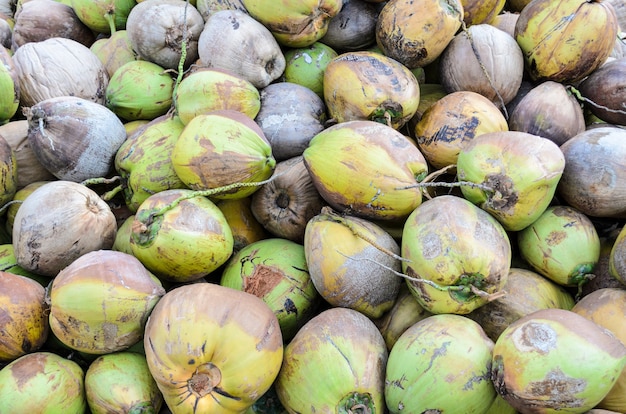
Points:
(461, 288)
(109, 16)
(342, 220)
(7, 205)
(580, 97)
(213, 191)
(482, 66)
(183, 56)
(101, 180)
(480, 186)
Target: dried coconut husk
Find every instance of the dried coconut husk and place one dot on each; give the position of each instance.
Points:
(59, 67)
(29, 167)
(39, 20)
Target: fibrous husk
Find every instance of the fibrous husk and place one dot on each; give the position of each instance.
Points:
(74, 138)
(59, 67)
(594, 177)
(234, 41)
(290, 116)
(157, 29)
(39, 20)
(285, 205)
(67, 220)
(548, 110)
(492, 64)
(353, 28)
(30, 169)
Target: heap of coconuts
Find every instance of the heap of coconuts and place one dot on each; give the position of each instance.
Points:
(335, 206)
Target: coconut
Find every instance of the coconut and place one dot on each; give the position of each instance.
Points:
(143, 161)
(353, 28)
(276, 271)
(114, 51)
(139, 90)
(157, 29)
(338, 343)
(550, 111)
(180, 236)
(74, 138)
(8, 172)
(493, 64)
(452, 122)
(205, 90)
(560, 40)
(24, 323)
(17, 200)
(409, 38)
(285, 205)
(519, 172)
(294, 23)
(31, 170)
(290, 116)
(9, 82)
(234, 41)
(367, 169)
(617, 264)
(607, 308)
(239, 329)
(39, 20)
(206, 158)
(6, 31)
(352, 262)
(457, 256)
(562, 244)
(526, 292)
(555, 360)
(433, 362)
(604, 92)
(306, 65)
(591, 157)
(100, 302)
(208, 7)
(43, 381)
(477, 12)
(506, 22)
(121, 382)
(388, 91)
(103, 16)
(245, 227)
(67, 219)
(59, 67)
(404, 313)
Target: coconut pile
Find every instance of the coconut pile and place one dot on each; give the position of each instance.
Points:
(335, 206)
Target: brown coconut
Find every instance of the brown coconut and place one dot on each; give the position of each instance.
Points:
(59, 67)
(550, 111)
(39, 20)
(485, 60)
(604, 91)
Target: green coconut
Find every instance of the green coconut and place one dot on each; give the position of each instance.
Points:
(514, 175)
(556, 361)
(562, 245)
(306, 65)
(276, 271)
(139, 90)
(181, 236)
(438, 363)
(457, 255)
(121, 382)
(223, 148)
(144, 160)
(42, 382)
